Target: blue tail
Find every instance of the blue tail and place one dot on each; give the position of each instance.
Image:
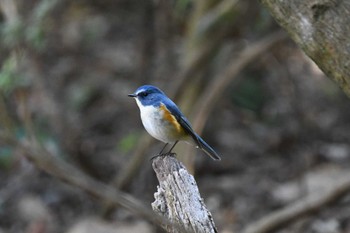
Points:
(206, 148)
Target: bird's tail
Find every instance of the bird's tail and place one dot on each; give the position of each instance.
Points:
(207, 149)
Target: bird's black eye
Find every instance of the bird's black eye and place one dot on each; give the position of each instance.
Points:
(144, 94)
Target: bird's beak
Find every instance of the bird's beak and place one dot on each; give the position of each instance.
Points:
(132, 95)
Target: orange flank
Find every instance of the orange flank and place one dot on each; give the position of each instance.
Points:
(171, 119)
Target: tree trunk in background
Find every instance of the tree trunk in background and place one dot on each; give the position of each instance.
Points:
(322, 29)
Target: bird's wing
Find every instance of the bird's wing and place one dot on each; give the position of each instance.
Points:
(182, 120)
(186, 125)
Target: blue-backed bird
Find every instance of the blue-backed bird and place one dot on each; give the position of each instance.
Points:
(164, 121)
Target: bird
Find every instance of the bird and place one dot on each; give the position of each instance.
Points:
(164, 121)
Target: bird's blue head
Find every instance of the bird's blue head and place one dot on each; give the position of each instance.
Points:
(148, 95)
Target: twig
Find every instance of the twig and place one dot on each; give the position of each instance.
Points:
(178, 198)
(309, 204)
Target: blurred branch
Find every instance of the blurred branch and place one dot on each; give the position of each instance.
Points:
(147, 43)
(203, 40)
(125, 177)
(305, 206)
(56, 167)
(9, 9)
(214, 18)
(6, 121)
(219, 83)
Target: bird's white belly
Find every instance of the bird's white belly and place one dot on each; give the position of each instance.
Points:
(156, 126)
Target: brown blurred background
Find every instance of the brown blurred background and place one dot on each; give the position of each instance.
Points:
(281, 126)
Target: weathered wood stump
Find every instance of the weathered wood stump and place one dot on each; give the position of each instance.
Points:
(178, 199)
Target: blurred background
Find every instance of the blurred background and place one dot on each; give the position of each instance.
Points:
(281, 126)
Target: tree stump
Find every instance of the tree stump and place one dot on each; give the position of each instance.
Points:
(178, 198)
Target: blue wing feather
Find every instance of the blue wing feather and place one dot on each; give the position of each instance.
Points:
(182, 120)
(186, 125)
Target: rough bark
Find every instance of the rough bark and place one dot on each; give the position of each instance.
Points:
(322, 29)
(178, 198)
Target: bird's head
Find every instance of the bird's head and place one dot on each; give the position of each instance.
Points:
(148, 95)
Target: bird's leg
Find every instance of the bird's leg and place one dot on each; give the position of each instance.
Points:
(160, 153)
(165, 154)
(169, 152)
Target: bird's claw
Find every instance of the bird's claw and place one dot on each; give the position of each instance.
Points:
(172, 154)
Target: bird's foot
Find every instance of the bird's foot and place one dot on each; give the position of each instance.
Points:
(172, 154)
